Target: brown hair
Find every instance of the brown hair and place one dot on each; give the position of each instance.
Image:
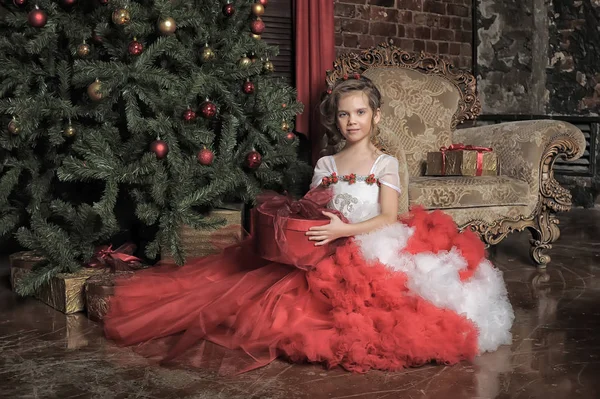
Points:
(330, 103)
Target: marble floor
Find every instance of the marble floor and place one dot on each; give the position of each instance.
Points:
(555, 353)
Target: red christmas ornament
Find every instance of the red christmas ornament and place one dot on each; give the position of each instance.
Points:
(208, 109)
(160, 148)
(228, 9)
(189, 115)
(135, 47)
(248, 87)
(290, 136)
(68, 3)
(37, 18)
(257, 26)
(253, 159)
(103, 2)
(263, 2)
(206, 157)
(19, 3)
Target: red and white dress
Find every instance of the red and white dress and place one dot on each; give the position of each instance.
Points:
(410, 293)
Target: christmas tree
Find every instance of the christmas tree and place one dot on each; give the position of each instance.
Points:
(159, 109)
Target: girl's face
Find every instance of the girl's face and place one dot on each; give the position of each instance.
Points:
(355, 117)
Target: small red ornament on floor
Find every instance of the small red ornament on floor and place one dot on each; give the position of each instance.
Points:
(19, 3)
(253, 159)
(248, 87)
(160, 148)
(189, 115)
(208, 109)
(228, 9)
(37, 18)
(206, 157)
(135, 47)
(257, 26)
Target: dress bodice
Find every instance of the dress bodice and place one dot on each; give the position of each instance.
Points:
(357, 196)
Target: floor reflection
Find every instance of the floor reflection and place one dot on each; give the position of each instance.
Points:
(555, 352)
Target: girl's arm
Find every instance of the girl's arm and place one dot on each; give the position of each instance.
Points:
(338, 229)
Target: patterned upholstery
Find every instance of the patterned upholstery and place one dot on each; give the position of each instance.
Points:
(520, 146)
(467, 192)
(416, 118)
(416, 113)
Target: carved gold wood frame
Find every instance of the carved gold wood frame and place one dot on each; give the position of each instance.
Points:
(542, 223)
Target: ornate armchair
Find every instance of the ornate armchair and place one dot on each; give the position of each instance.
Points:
(424, 99)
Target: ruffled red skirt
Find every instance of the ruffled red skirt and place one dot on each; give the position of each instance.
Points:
(344, 311)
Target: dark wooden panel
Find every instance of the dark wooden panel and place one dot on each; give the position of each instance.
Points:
(279, 31)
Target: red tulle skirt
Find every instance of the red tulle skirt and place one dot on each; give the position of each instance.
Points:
(344, 311)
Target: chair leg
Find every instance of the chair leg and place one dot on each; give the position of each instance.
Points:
(544, 232)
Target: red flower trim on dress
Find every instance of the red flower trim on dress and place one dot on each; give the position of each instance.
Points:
(351, 179)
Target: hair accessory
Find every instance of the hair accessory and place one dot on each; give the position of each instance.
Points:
(345, 77)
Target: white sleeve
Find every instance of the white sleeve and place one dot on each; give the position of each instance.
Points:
(322, 169)
(388, 173)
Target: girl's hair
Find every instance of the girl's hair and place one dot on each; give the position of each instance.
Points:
(330, 103)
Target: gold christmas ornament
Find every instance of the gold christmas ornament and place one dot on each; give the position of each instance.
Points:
(244, 61)
(69, 130)
(254, 36)
(258, 9)
(13, 127)
(207, 53)
(121, 16)
(285, 126)
(94, 90)
(83, 50)
(268, 66)
(167, 26)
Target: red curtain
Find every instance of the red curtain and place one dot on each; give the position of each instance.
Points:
(315, 54)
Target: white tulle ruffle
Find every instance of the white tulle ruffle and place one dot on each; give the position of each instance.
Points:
(435, 277)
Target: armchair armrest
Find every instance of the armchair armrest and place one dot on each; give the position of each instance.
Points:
(527, 150)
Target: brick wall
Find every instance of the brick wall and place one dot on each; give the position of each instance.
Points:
(439, 27)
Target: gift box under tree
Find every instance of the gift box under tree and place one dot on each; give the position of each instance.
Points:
(98, 291)
(462, 160)
(65, 291)
(200, 242)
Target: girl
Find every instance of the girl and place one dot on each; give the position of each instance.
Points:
(394, 293)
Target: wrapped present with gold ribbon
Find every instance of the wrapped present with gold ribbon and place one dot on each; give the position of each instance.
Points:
(462, 160)
(65, 291)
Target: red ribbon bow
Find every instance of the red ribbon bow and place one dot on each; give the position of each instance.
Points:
(462, 147)
(119, 259)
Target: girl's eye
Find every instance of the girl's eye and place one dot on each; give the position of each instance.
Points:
(341, 114)
(362, 111)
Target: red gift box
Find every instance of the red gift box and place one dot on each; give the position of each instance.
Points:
(279, 227)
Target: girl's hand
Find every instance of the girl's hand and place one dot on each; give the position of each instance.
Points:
(329, 232)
